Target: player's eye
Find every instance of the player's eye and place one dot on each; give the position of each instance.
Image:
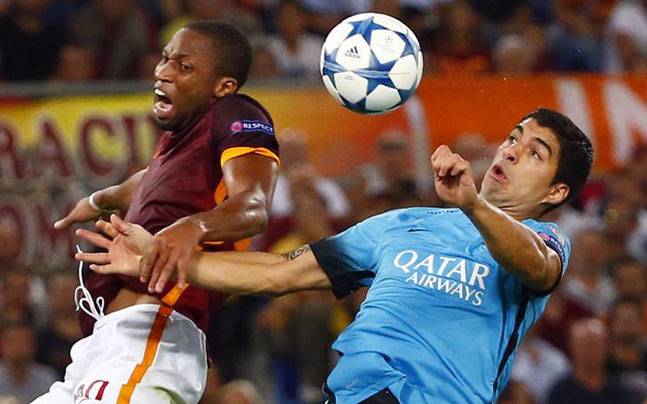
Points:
(512, 139)
(536, 155)
(185, 67)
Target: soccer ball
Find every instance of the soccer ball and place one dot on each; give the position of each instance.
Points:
(371, 63)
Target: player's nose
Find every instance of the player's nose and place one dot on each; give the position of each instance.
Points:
(510, 154)
(163, 71)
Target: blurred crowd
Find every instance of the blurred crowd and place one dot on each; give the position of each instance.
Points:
(84, 40)
(590, 345)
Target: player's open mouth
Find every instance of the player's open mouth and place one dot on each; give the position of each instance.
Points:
(163, 106)
(497, 173)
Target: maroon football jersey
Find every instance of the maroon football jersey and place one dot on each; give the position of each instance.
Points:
(185, 177)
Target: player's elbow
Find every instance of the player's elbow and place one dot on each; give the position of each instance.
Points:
(255, 213)
(256, 220)
(540, 277)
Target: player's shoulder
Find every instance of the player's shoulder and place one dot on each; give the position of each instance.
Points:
(243, 106)
(548, 231)
(413, 214)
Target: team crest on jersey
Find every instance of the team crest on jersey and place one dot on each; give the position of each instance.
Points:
(251, 126)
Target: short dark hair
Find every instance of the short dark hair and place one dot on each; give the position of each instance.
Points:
(576, 151)
(232, 46)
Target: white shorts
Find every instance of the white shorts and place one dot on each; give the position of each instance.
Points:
(144, 353)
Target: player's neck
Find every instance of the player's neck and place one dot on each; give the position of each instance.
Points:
(192, 121)
(517, 212)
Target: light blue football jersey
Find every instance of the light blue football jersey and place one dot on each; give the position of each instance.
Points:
(442, 319)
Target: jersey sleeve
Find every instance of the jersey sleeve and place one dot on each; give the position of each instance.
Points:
(555, 240)
(243, 127)
(350, 258)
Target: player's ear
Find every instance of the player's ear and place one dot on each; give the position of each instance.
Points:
(224, 86)
(557, 193)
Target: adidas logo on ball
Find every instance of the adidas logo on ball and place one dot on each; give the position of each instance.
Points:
(352, 52)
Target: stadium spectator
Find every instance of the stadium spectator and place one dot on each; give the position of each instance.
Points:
(239, 392)
(146, 65)
(298, 332)
(307, 224)
(295, 51)
(9, 250)
(538, 366)
(14, 299)
(560, 314)
(516, 393)
(630, 279)
(460, 47)
(223, 10)
(626, 36)
(514, 55)
(29, 45)
(264, 66)
(388, 7)
(118, 32)
(326, 13)
(621, 220)
(62, 330)
(637, 242)
(297, 176)
(20, 376)
(631, 283)
(589, 381)
(386, 182)
(61, 12)
(627, 349)
(587, 282)
(75, 64)
(573, 36)
(295, 157)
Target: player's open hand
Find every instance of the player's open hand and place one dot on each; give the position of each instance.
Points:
(125, 243)
(453, 178)
(82, 212)
(170, 248)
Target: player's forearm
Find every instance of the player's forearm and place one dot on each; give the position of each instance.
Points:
(237, 273)
(237, 218)
(513, 245)
(255, 273)
(119, 197)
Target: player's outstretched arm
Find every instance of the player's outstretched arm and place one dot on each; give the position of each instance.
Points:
(231, 272)
(258, 273)
(249, 180)
(116, 197)
(512, 244)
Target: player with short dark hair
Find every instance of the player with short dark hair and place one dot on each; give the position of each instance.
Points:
(451, 291)
(576, 152)
(209, 184)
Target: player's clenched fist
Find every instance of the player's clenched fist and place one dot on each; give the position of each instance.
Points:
(453, 178)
